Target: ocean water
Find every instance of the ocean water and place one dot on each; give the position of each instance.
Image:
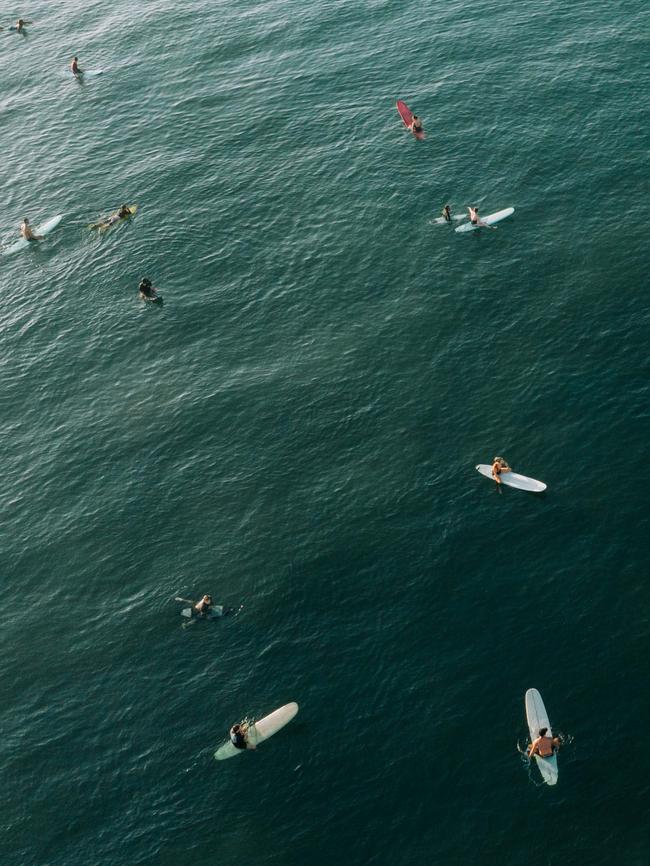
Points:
(295, 429)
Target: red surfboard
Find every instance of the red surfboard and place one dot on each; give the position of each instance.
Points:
(407, 116)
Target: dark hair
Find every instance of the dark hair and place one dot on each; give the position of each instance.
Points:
(542, 732)
(236, 728)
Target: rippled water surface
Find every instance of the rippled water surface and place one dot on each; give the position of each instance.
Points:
(295, 429)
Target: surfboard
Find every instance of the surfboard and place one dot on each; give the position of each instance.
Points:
(537, 718)
(513, 479)
(407, 116)
(43, 229)
(260, 731)
(439, 221)
(215, 612)
(488, 220)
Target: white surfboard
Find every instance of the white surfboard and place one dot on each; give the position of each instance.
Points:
(44, 229)
(488, 220)
(513, 479)
(260, 731)
(537, 718)
(441, 220)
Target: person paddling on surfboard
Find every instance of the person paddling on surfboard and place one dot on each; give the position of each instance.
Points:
(239, 737)
(499, 465)
(446, 213)
(544, 746)
(27, 233)
(203, 607)
(123, 213)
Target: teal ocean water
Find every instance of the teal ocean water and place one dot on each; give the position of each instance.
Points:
(296, 429)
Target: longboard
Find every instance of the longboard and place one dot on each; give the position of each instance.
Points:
(537, 718)
(513, 479)
(44, 229)
(407, 116)
(488, 220)
(260, 731)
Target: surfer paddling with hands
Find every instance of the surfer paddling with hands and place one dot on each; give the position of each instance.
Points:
(239, 736)
(499, 465)
(27, 233)
(544, 746)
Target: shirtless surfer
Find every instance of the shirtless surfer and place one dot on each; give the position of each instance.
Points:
(499, 465)
(74, 66)
(27, 233)
(416, 124)
(544, 746)
(446, 213)
(475, 219)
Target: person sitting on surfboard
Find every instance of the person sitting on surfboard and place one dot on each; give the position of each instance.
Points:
(544, 746)
(27, 233)
(239, 737)
(416, 124)
(499, 465)
(74, 66)
(446, 213)
(204, 606)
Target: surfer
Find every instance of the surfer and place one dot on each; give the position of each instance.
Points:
(475, 219)
(74, 66)
(20, 25)
(446, 213)
(544, 746)
(122, 214)
(416, 124)
(27, 233)
(203, 607)
(499, 465)
(239, 737)
(148, 293)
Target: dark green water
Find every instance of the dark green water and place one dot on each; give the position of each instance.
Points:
(296, 429)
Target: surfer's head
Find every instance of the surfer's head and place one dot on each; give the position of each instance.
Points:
(236, 729)
(26, 221)
(542, 732)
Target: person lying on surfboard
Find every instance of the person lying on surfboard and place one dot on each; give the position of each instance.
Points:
(499, 465)
(27, 233)
(416, 124)
(204, 606)
(122, 214)
(544, 746)
(239, 737)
